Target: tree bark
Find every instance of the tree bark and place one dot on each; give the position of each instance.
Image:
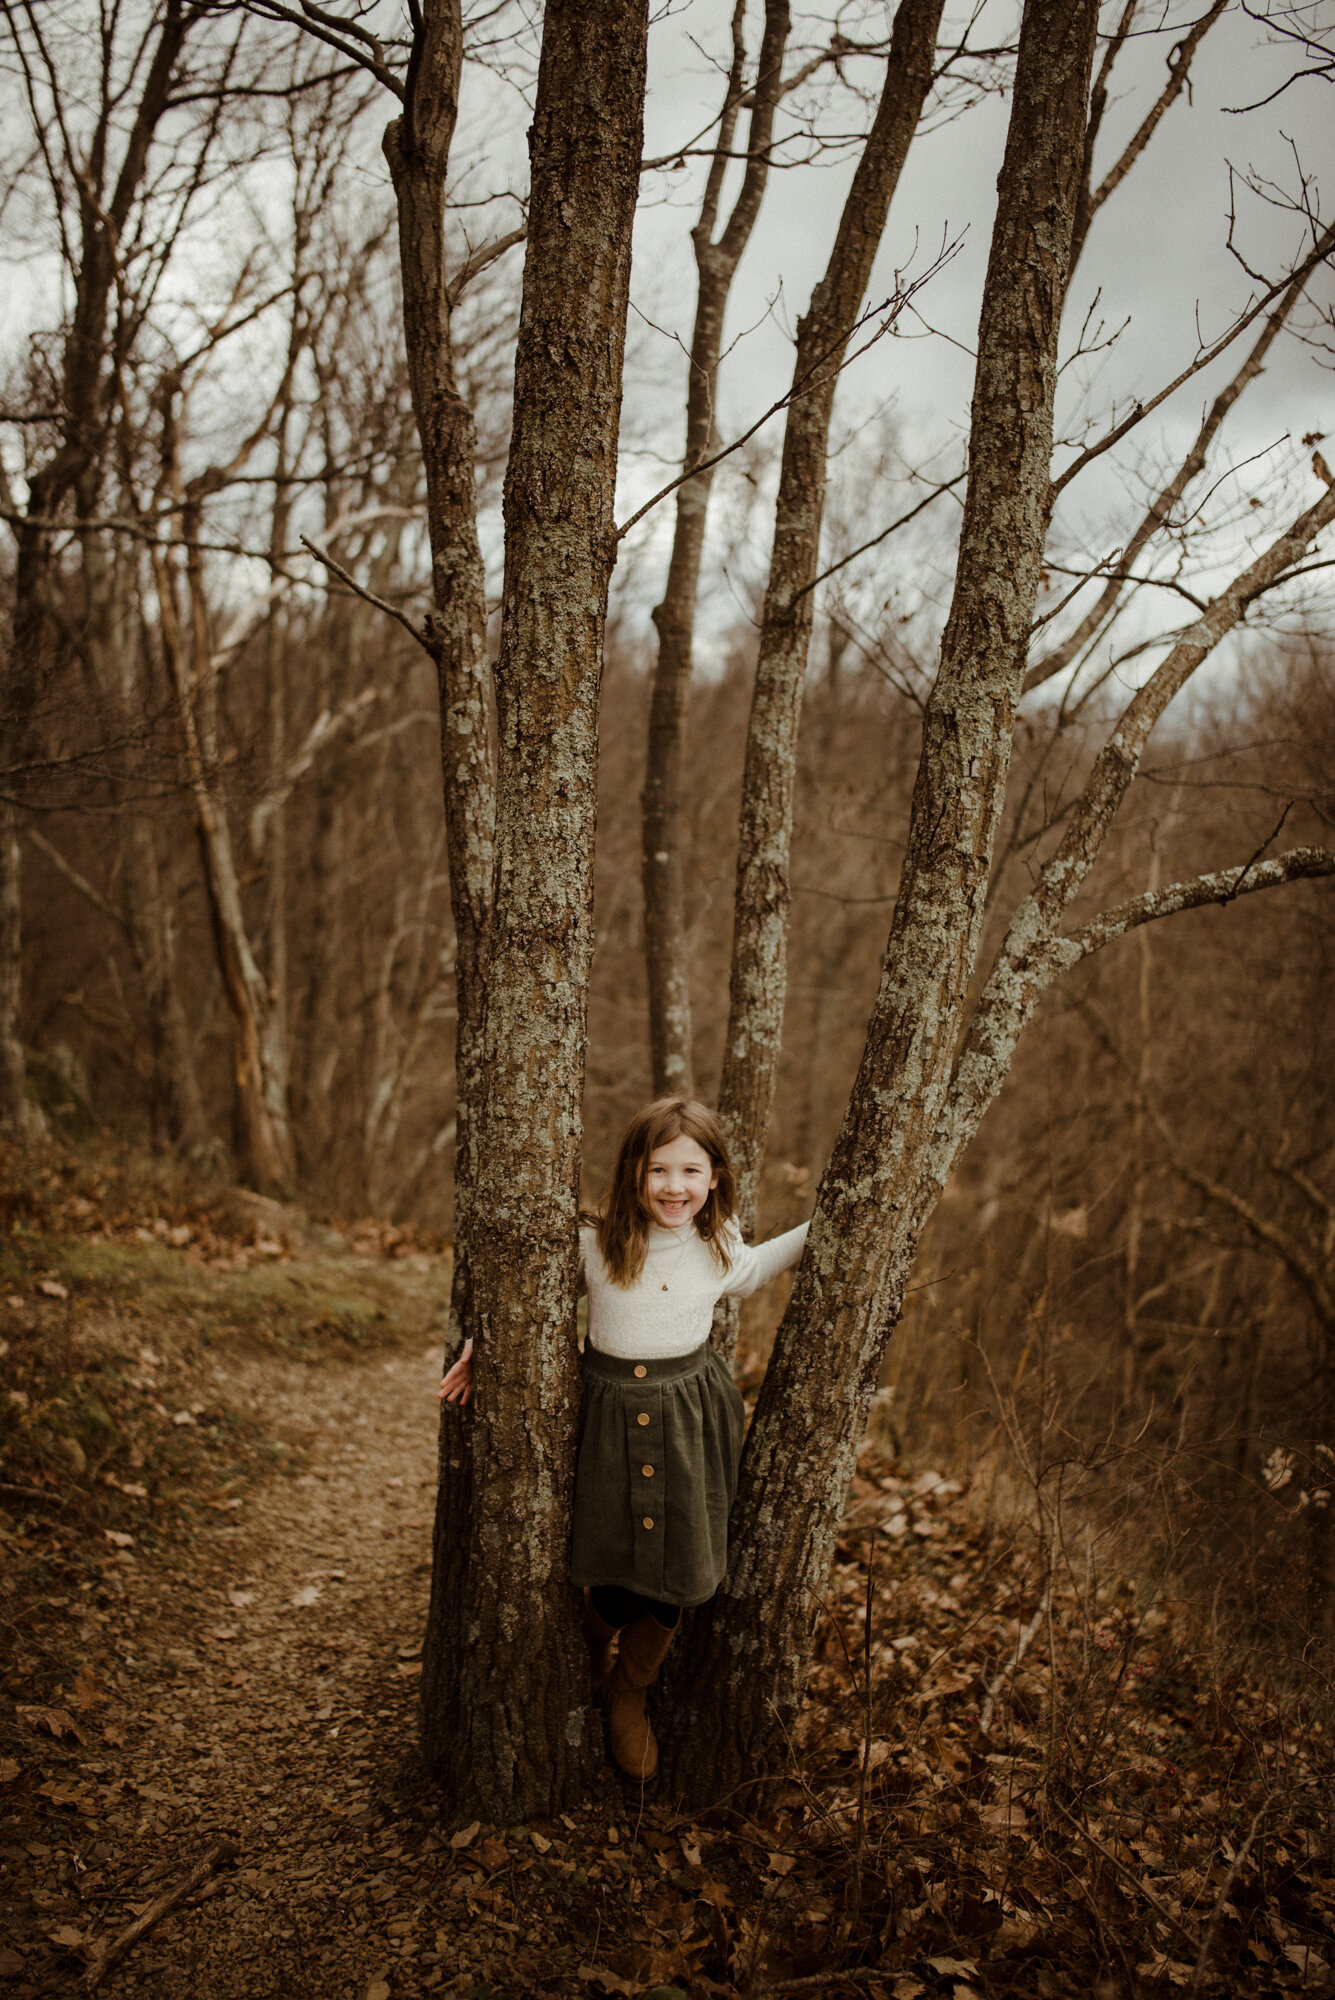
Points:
(666, 932)
(417, 147)
(758, 980)
(507, 1722)
(750, 1653)
(16, 1114)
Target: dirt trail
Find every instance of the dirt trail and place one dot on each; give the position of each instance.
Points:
(269, 1693)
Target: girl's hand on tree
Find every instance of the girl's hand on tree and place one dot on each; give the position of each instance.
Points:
(457, 1384)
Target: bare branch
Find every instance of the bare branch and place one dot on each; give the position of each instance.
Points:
(327, 727)
(1179, 67)
(1160, 509)
(887, 311)
(75, 879)
(1202, 359)
(345, 576)
(1299, 864)
(479, 260)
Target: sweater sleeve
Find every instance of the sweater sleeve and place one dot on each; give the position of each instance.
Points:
(752, 1265)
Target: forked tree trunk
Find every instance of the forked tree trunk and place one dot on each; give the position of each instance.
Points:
(747, 1657)
(759, 975)
(507, 1723)
(666, 931)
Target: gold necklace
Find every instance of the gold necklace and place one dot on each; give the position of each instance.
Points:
(679, 1247)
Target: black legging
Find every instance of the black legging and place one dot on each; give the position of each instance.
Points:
(617, 1606)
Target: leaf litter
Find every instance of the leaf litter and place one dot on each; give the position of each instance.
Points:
(1137, 1817)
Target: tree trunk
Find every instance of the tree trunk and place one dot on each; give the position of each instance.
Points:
(151, 925)
(16, 1114)
(758, 980)
(262, 1141)
(417, 147)
(87, 385)
(750, 1652)
(507, 1722)
(664, 860)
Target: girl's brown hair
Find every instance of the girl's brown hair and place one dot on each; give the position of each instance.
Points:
(623, 1220)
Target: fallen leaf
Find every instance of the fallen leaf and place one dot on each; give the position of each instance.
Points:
(67, 1937)
(492, 1855)
(542, 1844)
(408, 1668)
(309, 1593)
(51, 1288)
(466, 1835)
(14, 1302)
(598, 1975)
(410, 1652)
(57, 1722)
(692, 1854)
(953, 1968)
(1308, 1961)
(87, 1689)
(377, 1989)
(117, 1539)
(781, 1864)
(11, 1965)
(182, 1417)
(9, 1770)
(222, 1632)
(61, 1794)
(113, 1733)
(240, 1597)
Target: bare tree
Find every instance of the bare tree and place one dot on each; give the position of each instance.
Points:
(751, 1648)
(95, 192)
(666, 942)
(507, 1718)
(759, 974)
(932, 1061)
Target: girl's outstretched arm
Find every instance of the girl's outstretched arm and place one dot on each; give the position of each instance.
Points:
(751, 1265)
(457, 1383)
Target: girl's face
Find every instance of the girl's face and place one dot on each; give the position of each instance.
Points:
(677, 1181)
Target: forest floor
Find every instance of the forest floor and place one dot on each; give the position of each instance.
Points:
(218, 1434)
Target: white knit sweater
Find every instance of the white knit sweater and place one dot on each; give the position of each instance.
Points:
(669, 1308)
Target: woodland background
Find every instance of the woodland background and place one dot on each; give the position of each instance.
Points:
(1141, 1239)
(1101, 1456)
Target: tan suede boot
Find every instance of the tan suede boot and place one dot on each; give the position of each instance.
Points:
(644, 1648)
(601, 1638)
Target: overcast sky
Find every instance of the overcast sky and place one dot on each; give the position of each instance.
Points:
(1157, 256)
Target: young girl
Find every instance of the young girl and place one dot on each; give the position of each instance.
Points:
(661, 1418)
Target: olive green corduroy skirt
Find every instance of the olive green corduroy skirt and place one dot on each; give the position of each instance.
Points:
(657, 1473)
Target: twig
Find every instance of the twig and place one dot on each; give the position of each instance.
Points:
(31, 1493)
(1022, 1645)
(821, 1982)
(222, 1850)
(891, 308)
(1129, 1874)
(1207, 1942)
(346, 576)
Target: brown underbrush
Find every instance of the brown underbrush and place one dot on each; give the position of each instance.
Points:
(1029, 1765)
